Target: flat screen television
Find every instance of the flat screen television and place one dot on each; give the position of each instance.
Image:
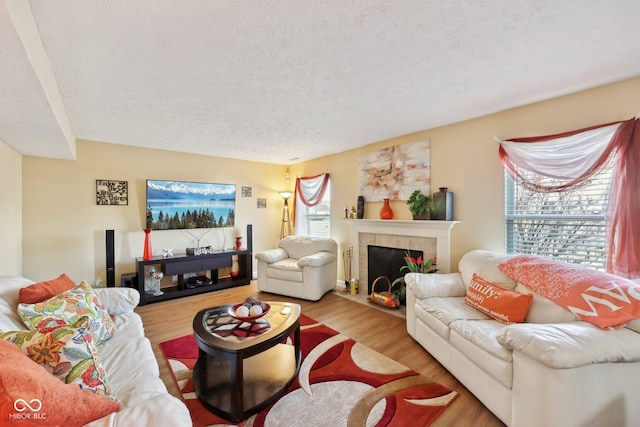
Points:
(181, 204)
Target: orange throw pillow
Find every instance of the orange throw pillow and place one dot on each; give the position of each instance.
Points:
(30, 396)
(502, 304)
(39, 292)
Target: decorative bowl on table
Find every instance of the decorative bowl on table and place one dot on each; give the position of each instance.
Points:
(233, 311)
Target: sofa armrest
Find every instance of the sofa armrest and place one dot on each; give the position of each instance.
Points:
(571, 344)
(435, 285)
(272, 255)
(316, 260)
(118, 300)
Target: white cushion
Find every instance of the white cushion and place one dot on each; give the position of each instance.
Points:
(485, 265)
(476, 339)
(272, 255)
(301, 246)
(438, 313)
(435, 285)
(543, 310)
(287, 269)
(571, 344)
(483, 333)
(118, 300)
(9, 288)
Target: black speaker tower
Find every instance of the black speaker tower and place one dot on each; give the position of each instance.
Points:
(111, 263)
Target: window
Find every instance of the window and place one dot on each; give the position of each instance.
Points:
(318, 217)
(568, 226)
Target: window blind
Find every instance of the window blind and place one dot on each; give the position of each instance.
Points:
(568, 226)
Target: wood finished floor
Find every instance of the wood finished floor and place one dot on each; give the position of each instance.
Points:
(383, 332)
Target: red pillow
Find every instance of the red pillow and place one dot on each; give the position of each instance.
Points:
(31, 396)
(502, 304)
(44, 290)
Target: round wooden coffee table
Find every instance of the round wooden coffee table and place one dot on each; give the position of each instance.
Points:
(245, 366)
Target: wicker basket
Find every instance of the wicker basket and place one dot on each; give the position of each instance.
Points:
(385, 298)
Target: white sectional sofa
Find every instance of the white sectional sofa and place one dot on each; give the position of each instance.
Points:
(551, 370)
(127, 357)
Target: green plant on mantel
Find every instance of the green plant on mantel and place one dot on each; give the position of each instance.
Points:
(419, 203)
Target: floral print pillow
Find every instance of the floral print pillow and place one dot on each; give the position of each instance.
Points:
(69, 353)
(68, 308)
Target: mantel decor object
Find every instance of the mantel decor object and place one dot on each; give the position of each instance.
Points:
(360, 208)
(386, 212)
(148, 253)
(443, 205)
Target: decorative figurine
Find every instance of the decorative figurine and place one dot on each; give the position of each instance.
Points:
(168, 253)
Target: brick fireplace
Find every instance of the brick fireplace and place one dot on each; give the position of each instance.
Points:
(430, 237)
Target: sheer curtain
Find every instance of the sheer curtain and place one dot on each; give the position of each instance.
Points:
(309, 191)
(573, 157)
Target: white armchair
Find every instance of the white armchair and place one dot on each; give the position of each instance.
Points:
(301, 267)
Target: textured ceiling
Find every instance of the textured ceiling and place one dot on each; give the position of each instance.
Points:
(282, 81)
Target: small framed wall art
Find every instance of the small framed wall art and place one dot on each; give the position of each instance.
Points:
(112, 192)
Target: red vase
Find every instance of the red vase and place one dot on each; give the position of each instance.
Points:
(148, 253)
(386, 212)
(238, 243)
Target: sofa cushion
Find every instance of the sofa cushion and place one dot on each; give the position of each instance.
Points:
(435, 285)
(543, 310)
(287, 269)
(66, 352)
(24, 382)
(477, 340)
(571, 344)
(438, 313)
(70, 307)
(118, 300)
(485, 265)
(41, 291)
(9, 288)
(502, 304)
(301, 246)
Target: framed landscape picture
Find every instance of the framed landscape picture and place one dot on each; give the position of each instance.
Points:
(182, 204)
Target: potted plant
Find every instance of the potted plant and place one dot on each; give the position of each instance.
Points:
(420, 205)
(399, 287)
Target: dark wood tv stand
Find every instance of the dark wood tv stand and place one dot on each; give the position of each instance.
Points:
(181, 264)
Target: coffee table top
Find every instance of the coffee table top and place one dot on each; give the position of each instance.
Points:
(215, 328)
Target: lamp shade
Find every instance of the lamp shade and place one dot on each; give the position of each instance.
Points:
(286, 194)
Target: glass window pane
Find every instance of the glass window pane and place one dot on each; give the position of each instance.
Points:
(568, 226)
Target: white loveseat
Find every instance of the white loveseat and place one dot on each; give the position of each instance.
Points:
(127, 357)
(551, 370)
(300, 267)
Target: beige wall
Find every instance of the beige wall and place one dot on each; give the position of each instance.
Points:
(464, 158)
(64, 229)
(10, 211)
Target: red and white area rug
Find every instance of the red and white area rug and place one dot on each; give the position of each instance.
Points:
(340, 383)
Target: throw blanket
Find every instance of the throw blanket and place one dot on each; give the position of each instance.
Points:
(600, 298)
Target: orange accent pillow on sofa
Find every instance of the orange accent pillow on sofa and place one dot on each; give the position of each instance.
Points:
(31, 396)
(502, 304)
(39, 292)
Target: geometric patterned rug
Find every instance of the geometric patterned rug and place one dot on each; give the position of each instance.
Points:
(340, 383)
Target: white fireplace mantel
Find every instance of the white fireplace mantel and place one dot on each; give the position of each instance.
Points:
(439, 230)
